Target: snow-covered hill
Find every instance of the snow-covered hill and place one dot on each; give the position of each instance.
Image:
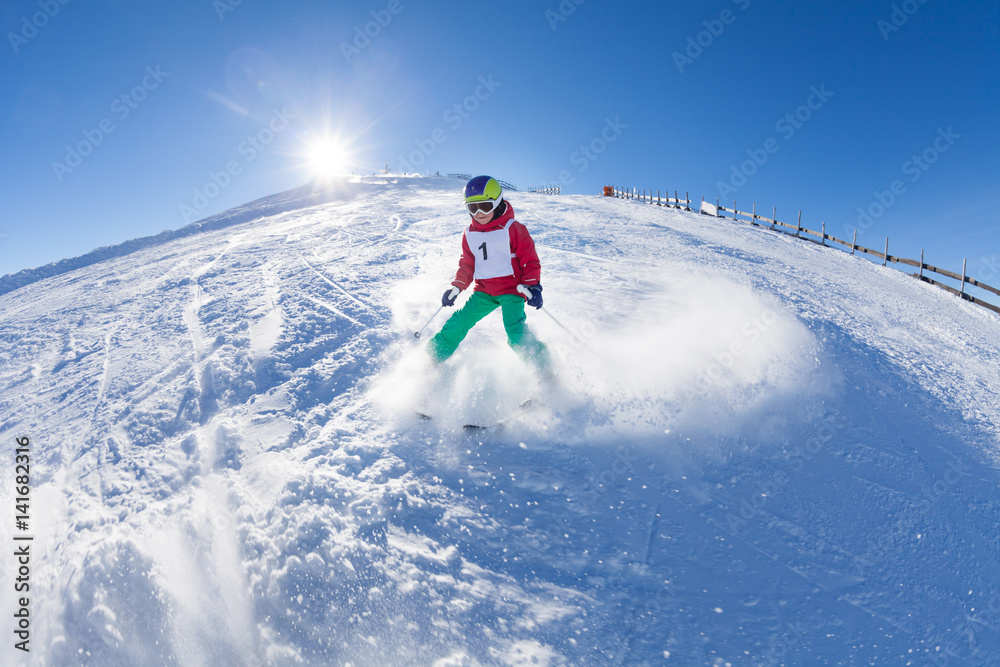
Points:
(763, 451)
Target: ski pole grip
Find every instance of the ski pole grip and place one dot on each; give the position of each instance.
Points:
(525, 291)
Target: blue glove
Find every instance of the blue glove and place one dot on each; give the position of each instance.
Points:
(535, 300)
(448, 299)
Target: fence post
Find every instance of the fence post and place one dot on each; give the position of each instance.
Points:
(799, 230)
(885, 258)
(854, 241)
(824, 234)
(753, 220)
(734, 210)
(962, 293)
(687, 202)
(658, 197)
(921, 274)
(774, 217)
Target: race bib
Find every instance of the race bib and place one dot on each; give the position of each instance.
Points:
(492, 252)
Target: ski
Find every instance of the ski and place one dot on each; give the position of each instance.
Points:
(526, 405)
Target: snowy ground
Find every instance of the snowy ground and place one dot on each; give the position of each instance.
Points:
(764, 452)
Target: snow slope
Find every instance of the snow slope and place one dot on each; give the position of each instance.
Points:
(270, 205)
(763, 452)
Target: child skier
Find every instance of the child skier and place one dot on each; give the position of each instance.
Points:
(499, 255)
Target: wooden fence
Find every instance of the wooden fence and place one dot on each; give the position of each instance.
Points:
(648, 199)
(821, 238)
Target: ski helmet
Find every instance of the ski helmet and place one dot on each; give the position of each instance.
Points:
(483, 188)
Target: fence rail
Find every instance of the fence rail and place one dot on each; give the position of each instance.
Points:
(634, 193)
(552, 190)
(820, 238)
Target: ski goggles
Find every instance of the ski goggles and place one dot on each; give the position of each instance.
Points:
(482, 206)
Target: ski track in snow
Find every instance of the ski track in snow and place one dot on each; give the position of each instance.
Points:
(762, 452)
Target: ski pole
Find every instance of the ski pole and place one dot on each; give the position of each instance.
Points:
(546, 311)
(527, 294)
(416, 334)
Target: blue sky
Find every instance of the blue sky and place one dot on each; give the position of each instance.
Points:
(122, 119)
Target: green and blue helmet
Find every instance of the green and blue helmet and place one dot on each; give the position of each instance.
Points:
(483, 193)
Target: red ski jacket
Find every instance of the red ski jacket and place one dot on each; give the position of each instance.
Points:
(491, 274)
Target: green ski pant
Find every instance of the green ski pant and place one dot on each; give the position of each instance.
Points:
(479, 305)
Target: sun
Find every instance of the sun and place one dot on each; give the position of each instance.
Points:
(327, 157)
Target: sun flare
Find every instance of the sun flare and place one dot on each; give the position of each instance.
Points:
(327, 157)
